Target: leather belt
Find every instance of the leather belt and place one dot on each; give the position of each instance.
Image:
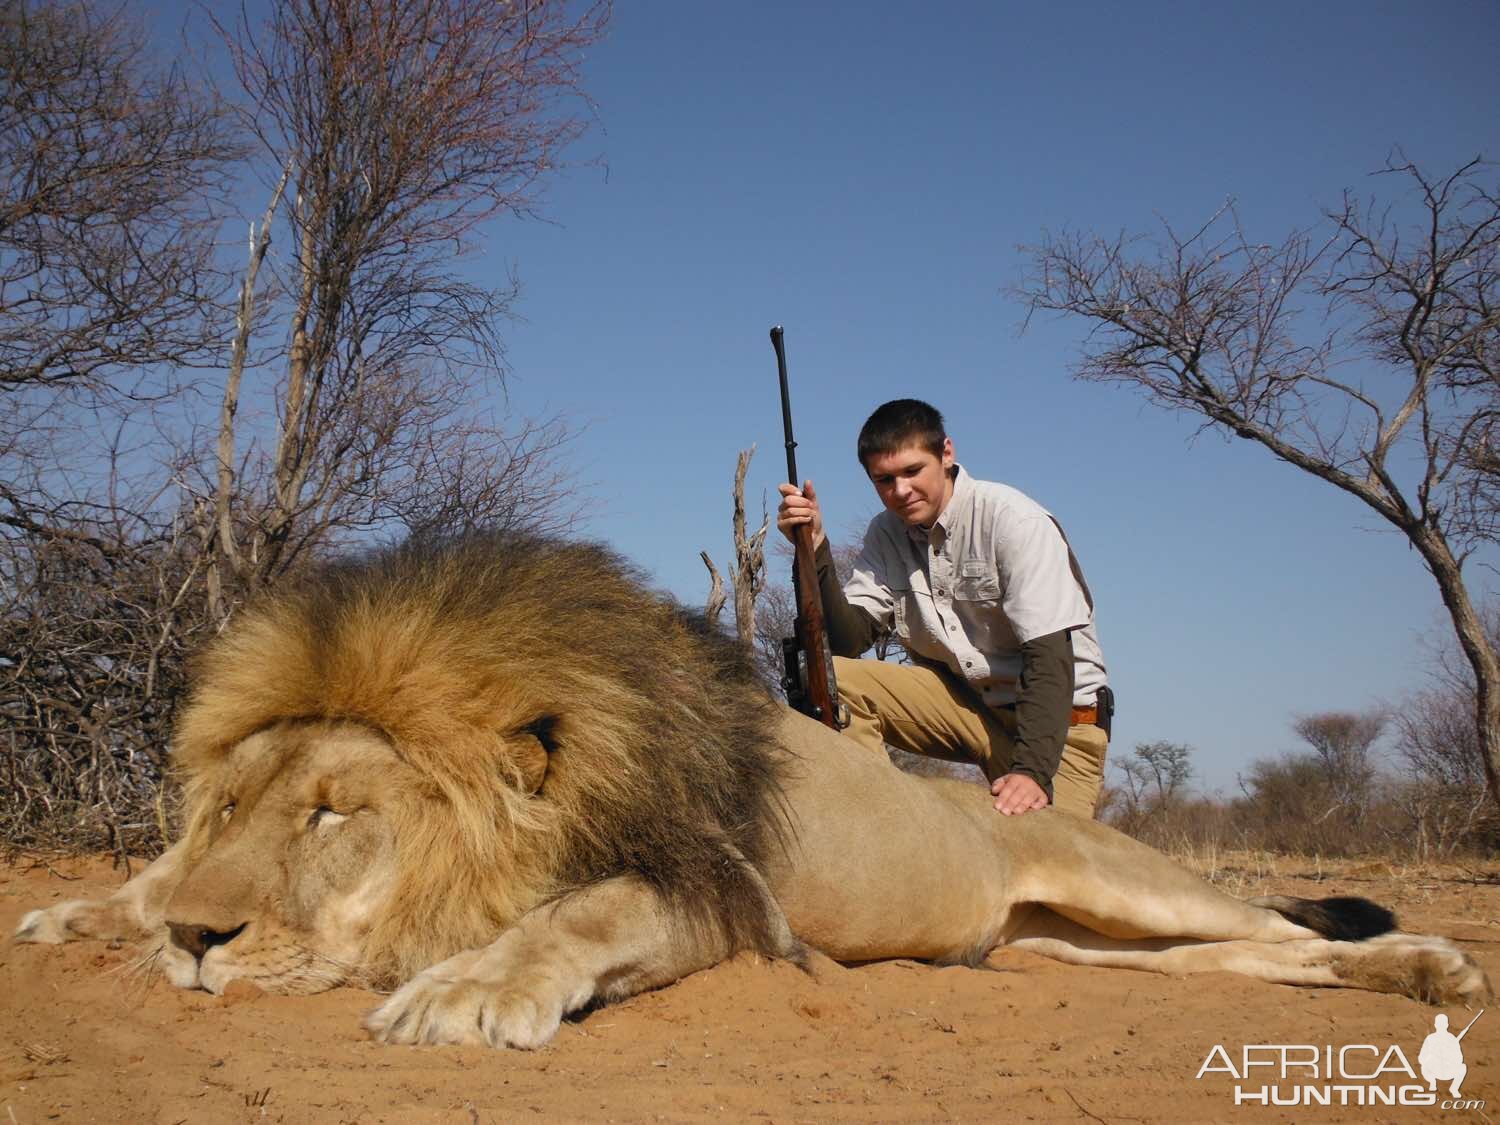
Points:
(1080, 717)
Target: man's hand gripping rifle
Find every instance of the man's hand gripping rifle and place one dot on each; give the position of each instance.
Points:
(807, 659)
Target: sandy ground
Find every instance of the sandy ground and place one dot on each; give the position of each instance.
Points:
(83, 1038)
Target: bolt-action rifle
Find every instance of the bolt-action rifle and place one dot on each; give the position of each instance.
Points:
(806, 657)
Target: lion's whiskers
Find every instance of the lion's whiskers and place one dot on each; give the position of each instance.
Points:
(142, 971)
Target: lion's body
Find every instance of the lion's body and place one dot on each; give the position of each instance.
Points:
(508, 776)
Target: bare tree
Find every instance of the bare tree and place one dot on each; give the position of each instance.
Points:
(1367, 355)
(1435, 738)
(1443, 788)
(396, 129)
(749, 555)
(111, 170)
(1442, 793)
(714, 606)
(351, 406)
(749, 577)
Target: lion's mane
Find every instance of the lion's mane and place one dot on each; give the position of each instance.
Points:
(659, 736)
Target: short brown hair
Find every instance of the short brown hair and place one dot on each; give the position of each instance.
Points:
(898, 424)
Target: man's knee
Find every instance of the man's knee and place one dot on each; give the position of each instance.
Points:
(852, 675)
(860, 715)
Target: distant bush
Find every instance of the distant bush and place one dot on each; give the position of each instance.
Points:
(1315, 804)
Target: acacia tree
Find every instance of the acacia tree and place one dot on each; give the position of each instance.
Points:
(1366, 353)
(1342, 741)
(1154, 774)
(395, 129)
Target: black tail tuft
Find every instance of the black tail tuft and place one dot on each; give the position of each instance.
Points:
(1341, 918)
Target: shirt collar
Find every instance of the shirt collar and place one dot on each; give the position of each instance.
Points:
(956, 511)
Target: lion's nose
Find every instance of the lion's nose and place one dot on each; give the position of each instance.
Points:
(198, 939)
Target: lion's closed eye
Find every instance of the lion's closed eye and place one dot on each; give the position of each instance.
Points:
(325, 817)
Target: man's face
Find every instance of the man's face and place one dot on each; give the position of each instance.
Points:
(913, 483)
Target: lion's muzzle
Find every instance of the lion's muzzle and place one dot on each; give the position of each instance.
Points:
(198, 939)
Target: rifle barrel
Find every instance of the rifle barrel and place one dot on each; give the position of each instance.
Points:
(1468, 1025)
(812, 640)
(778, 342)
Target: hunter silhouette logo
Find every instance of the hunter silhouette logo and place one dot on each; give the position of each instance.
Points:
(1441, 1057)
(1355, 1074)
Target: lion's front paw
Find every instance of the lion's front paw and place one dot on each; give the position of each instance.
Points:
(67, 921)
(470, 1012)
(477, 998)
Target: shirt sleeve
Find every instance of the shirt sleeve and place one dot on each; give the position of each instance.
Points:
(868, 587)
(1043, 707)
(1041, 595)
(850, 630)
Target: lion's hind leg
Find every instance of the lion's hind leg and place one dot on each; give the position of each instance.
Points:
(135, 911)
(1120, 888)
(1430, 969)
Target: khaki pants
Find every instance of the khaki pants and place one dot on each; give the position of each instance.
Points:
(926, 711)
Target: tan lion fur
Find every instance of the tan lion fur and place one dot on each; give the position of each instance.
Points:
(471, 659)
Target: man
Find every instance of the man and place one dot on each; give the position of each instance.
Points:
(977, 582)
(1441, 1057)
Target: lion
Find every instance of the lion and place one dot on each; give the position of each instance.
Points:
(502, 781)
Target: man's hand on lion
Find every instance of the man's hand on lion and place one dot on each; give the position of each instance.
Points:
(1016, 793)
(800, 506)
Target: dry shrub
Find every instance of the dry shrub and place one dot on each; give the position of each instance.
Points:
(94, 627)
(1289, 807)
(1186, 825)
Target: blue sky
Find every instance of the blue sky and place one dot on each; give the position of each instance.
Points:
(863, 174)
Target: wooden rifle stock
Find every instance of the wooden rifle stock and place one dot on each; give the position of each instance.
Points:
(808, 676)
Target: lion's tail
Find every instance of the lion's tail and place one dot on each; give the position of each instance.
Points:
(1341, 918)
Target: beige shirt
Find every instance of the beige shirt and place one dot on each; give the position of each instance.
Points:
(994, 572)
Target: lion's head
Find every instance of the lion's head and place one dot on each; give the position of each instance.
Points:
(397, 758)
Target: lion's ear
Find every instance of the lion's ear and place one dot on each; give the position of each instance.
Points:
(531, 747)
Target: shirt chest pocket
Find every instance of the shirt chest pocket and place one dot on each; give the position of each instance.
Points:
(977, 603)
(976, 581)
